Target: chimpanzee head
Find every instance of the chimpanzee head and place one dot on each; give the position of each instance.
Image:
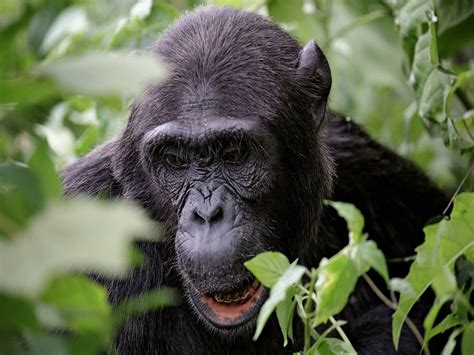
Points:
(228, 153)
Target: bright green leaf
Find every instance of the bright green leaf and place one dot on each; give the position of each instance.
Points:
(444, 243)
(278, 294)
(268, 267)
(353, 218)
(336, 281)
(374, 257)
(284, 312)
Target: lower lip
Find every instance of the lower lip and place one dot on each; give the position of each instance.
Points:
(229, 313)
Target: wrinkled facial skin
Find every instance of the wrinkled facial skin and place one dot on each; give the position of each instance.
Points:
(218, 175)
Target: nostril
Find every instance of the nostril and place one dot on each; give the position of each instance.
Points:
(198, 217)
(211, 216)
(218, 215)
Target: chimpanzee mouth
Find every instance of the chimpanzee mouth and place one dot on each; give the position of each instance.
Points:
(230, 309)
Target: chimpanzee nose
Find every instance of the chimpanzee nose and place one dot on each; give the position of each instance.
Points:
(209, 213)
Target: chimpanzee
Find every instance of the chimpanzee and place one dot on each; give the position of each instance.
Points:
(234, 153)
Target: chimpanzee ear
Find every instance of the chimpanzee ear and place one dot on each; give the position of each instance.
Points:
(313, 65)
(315, 75)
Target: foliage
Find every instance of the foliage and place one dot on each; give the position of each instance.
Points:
(66, 80)
(48, 244)
(321, 293)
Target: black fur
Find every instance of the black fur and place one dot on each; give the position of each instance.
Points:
(231, 64)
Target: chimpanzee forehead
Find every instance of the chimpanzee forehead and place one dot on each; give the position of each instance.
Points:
(201, 131)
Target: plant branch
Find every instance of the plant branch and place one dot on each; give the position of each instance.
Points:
(307, 309)
(393, 306)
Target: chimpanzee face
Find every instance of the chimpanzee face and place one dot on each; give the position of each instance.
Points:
(219, 176)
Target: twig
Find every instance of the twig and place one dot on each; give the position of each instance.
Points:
(341, 332)
(307, 309)
(405, 259)
(393, 306)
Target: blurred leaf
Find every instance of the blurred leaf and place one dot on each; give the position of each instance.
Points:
(150, 301)
(105, 74)
(268, 267)
(453, 12)
(41, 164)
(467, 344)
(21, 197)
(70, 21)
(411, 14)
(16, 314)
(64, 238)
(87, 141)
(10, 11)
(81, 302)
(141, 9)
(43, 344)
(278, 294)
(26, 90)
(444, 243)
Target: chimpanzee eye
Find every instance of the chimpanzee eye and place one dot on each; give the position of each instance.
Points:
(175, 161)
(233, 156)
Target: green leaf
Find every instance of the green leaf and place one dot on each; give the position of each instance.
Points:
(352, 216)
(432, 83)
(467, 344)
(333, 346)
(411, 15)
(77, 235)
(284, 312)
(444, 243)
(336, 281)
(278, 294)
(444, 283)
(373, 256)
(95, 74)
(447, 323)
(268, 267)
(452, 13)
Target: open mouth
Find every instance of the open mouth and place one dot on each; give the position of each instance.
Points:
(232, 308)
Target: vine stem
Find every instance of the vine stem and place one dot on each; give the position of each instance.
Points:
(340, 331)
(393, 306)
